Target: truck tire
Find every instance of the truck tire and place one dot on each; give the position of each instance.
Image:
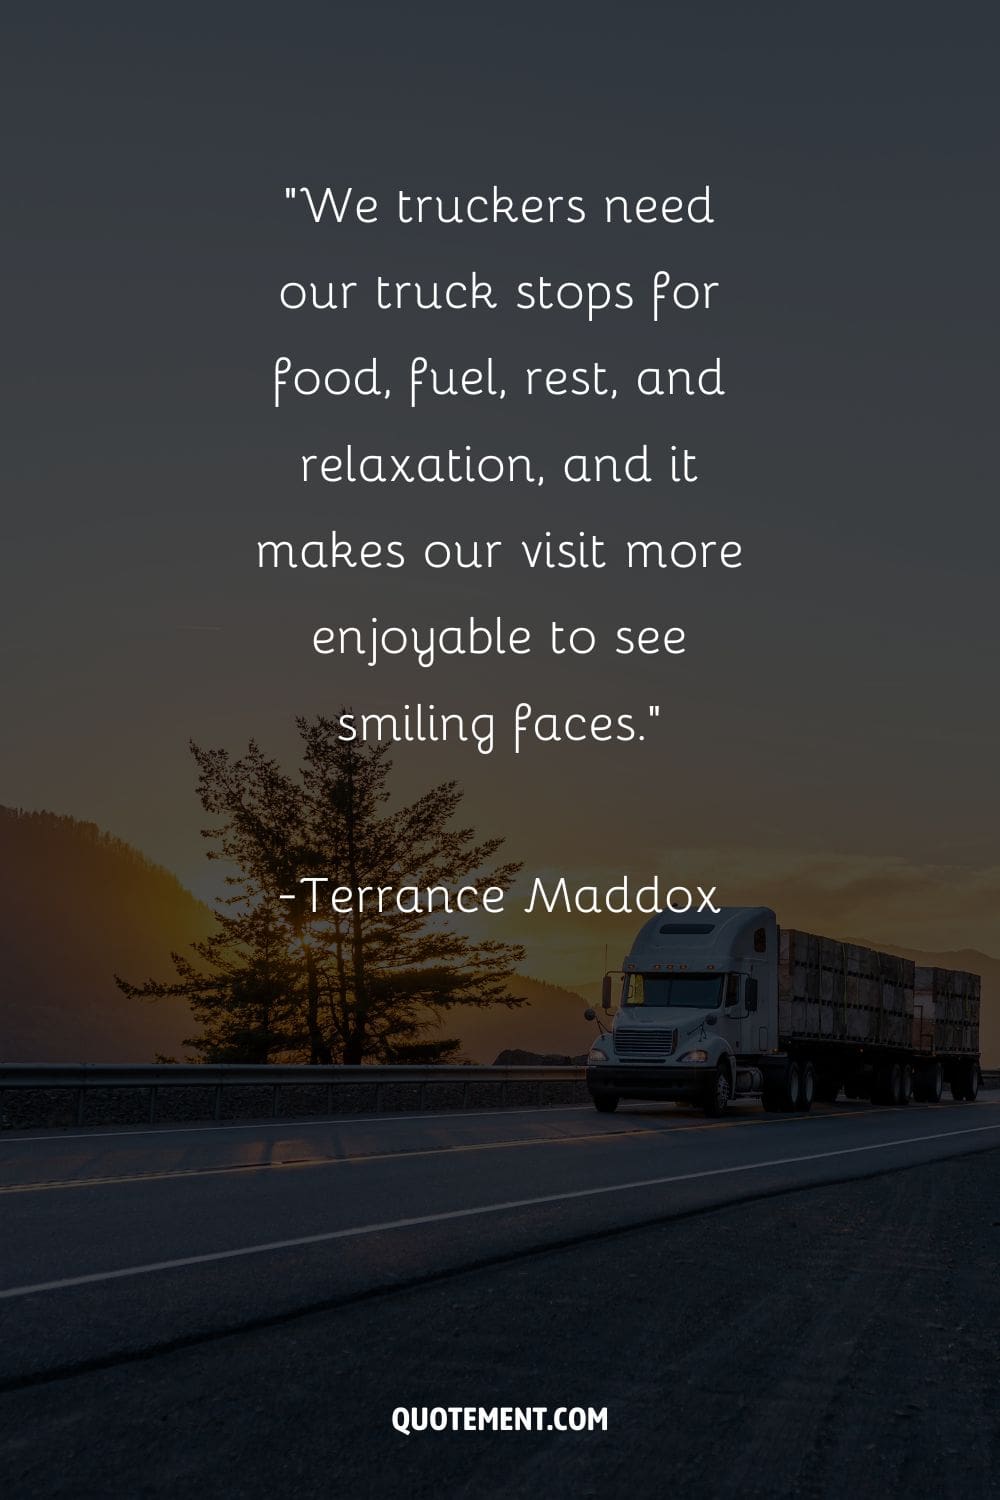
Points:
(965, 1081)
(931, 1079)
(791, 1087)
(888, 1084)
(605, 1102)
(906, 1083)
(895, 1084)
(807, 1085)
(719, 1093)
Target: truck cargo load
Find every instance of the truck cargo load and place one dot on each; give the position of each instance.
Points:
(945, 1010)
(843, 991)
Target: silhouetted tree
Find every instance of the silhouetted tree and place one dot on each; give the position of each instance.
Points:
(278, 979)
(389, 965)
(244, 989)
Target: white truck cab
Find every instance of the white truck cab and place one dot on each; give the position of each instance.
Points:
(693, 1015)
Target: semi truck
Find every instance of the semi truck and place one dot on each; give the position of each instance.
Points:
(730, 1005)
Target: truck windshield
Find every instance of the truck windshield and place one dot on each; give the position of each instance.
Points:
(697, 990)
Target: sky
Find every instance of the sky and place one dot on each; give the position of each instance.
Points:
(832, 727)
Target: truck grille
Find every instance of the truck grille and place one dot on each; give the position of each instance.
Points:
(645, 1044)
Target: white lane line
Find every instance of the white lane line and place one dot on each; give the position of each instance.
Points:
(167, 1174)
(356, 1231)
(210, 1128)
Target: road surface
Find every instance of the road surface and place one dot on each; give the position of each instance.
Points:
(766, 1305)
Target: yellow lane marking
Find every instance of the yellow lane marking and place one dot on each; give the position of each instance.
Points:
(315, 1161)
(57, 1185)
(169, 1173)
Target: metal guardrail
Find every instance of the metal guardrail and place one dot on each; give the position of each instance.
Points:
(34, 1096)
(64, 1094)
(86, 1075)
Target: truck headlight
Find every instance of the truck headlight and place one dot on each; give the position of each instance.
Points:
(699, 1055)
(597, 1056)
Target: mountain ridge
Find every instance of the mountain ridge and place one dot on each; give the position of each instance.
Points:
(86, 905)
(107, 909)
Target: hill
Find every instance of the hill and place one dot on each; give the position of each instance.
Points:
(79, 906)
(551, 1022)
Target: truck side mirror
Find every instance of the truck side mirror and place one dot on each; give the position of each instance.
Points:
(590, 1014)
(751, 995)
(606, 992)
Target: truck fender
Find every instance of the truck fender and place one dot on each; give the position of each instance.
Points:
(727, 1059)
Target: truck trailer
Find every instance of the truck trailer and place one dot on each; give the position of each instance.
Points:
(729, 1005)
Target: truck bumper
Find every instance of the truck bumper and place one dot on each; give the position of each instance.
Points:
(647, 1081)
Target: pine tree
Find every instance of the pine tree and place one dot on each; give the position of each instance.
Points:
(391, 966)
(277, 980)
(244, 987)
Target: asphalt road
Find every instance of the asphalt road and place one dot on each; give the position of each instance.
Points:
(765, 1305)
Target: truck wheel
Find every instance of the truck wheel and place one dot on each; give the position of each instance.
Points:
(965, 1081)
(605, 1102)
(807, 1086)
(888, 1084)
(791, 1089)
(719, 1092)
(932, 1083)
(906, 1083)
